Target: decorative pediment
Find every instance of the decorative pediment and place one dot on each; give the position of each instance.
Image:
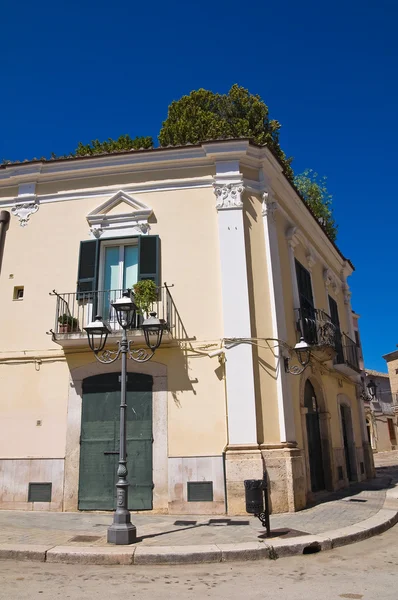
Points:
(120, 215)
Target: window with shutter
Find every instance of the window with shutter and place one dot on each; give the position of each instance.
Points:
(307, 311)
(304, 286)
(118, 262)
(149, 258)
(88, 266)
(334, 312)
(334, 315)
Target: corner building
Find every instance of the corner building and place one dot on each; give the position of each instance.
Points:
(243, 268)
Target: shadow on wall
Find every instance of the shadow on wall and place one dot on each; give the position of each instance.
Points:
(4, 224)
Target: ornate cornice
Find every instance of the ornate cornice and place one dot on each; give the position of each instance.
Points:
(269, 205)
(104, 223)
(228, 195)
(291, 236)
(26, 203)
(311, 258)
(347, 295)
(24, 210)
(330, 280)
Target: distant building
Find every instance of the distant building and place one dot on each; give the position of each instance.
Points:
(380, 411)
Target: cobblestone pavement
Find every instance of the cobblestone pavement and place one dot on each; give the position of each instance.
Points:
(334, 511)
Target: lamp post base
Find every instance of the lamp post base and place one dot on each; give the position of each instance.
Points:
(122, 534)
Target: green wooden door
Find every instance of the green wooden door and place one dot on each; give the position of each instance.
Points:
(99, 444)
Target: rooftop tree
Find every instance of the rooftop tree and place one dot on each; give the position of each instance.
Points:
(123, 143)
(204, 116)
(313, 190)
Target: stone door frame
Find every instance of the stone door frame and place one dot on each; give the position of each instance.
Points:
(345, 402)
(158, 372)
(325, 431)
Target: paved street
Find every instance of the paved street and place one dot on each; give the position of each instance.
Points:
(338, 510)
(363, 571)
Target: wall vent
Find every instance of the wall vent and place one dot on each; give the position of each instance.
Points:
(200, 491)
(39, 492)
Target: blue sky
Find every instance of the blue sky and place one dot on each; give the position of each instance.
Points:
(73, 71)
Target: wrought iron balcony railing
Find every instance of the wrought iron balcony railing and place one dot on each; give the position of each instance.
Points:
(75, 310)
(347, 352)
(316, 327)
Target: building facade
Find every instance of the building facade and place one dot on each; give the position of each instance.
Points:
(380, 411)
(243, 270)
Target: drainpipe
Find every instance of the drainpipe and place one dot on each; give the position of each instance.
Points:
(4, 221)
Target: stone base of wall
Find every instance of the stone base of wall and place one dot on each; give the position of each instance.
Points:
(361, 468)
(368, 460)
(286, 478)
(241, 462)
(17, 473)
(182, 470)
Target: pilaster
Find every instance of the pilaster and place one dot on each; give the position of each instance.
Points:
(229, 189)
(285, 404)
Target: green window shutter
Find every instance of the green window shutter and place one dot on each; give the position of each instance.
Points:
(304, 285)
(334, 312)
(149, 258)
(87, 275)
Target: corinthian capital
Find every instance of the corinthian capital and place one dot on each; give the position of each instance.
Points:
(228, 195)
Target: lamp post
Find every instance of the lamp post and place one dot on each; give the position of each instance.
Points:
(303, 353)
(122, 531)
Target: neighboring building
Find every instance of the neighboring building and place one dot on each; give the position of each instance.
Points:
(392, 365)
(248, 271)
(380, 411)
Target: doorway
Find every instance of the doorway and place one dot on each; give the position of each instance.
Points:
(348, 442)
(99, 442)
(314, 438)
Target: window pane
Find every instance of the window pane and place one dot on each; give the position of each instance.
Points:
(111, 278)
(130, 275)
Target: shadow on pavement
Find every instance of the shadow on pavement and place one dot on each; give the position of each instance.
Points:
(381, 482)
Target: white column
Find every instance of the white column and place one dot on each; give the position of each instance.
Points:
(236, 314)
(285, 405)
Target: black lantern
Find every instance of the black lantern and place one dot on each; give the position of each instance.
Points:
(372, 388)
(97, 334)
(303, 352)
(125, 310)
(153, 331)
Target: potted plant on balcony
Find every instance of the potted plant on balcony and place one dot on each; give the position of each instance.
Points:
(67, 324)
(145, 294)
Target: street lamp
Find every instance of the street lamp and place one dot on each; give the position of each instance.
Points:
(372, 388)
(303, 353)
(122, 531)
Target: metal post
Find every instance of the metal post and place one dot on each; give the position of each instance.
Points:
(122, 531)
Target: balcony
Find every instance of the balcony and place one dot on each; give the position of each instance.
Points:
(346, 360)
(74, 311)
(317, 329)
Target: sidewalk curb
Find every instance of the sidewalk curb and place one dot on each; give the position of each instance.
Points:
(386, 518)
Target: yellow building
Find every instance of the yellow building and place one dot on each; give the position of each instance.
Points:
(244, 271)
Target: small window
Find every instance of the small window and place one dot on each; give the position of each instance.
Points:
(200, 491)
(18, 292)
(391, 431)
